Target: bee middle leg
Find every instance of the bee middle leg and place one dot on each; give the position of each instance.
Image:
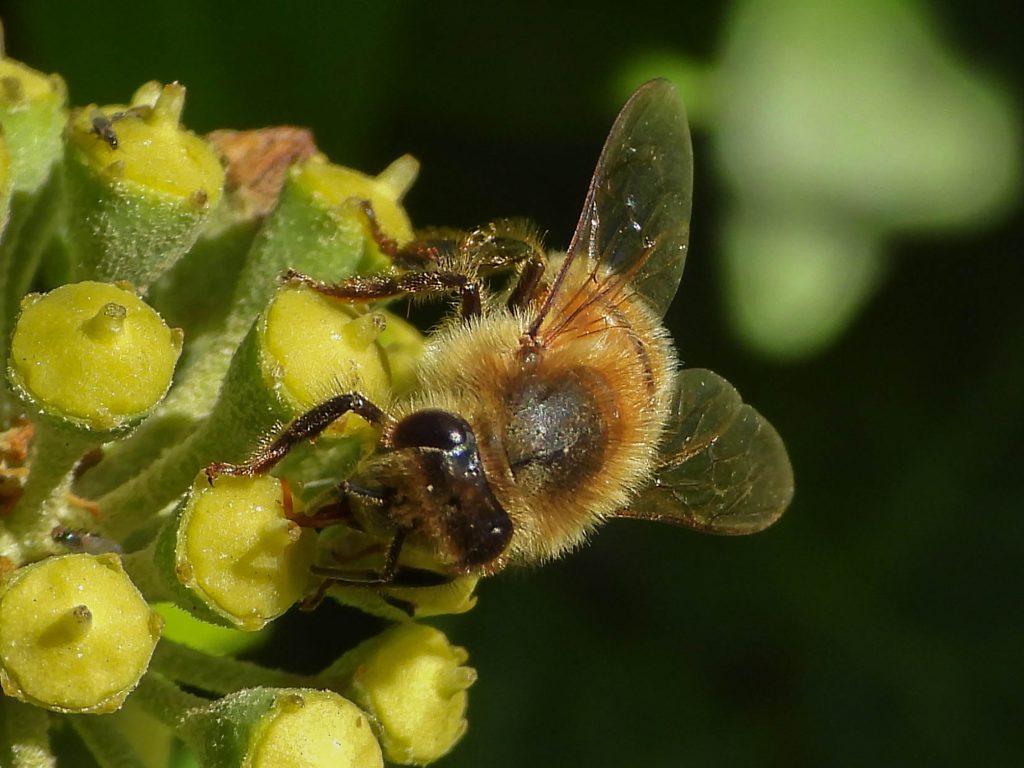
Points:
(365, 288)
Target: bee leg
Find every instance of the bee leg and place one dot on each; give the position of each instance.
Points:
(310, 603)
(306, 427)
(364, 288)
(417, 254)
(405, 606)
(527, 286)
(391, 573)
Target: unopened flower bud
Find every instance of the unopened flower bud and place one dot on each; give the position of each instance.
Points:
(413, 684)
(75, 634)
(92, 356)
(282, 728)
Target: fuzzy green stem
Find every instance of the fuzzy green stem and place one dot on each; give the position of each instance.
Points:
(142, 570)
(106, 742)
(53, 455)
(24, 737)
(220, 674)
(164, 700)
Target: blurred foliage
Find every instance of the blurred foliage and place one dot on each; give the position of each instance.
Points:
(881, 621)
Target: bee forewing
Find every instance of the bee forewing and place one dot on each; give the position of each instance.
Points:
(636, 220)
(723, 467)
(635, 223)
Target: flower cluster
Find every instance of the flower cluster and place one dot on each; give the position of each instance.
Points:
(145, 335)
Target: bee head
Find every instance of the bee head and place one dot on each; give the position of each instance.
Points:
(455, 498)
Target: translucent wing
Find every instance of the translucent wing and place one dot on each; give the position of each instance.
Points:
(635, 223)
(723, 467)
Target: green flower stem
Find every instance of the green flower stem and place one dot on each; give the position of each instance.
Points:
(106, 742)
(142, 569)
(24, 736)
(220, 674)
(164, 700)
(55, 451)
(19, 263)
(138, 195)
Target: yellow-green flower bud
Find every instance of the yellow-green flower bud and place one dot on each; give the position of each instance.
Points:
(315, 347)
(92, 355)
(231, 554)
(412, 682)
(345, 189)
(75, 634)
(139, 186)
(282, 728)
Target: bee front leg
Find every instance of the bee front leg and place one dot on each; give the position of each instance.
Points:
(306, 427)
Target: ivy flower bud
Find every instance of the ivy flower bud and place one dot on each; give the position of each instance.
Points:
(282, 728)
(92, 356)
(231, 555)
(314, 347)
(139, 186)
(75, 634)
(412, 682)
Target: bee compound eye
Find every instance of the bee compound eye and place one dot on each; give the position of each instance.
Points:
(431, 428)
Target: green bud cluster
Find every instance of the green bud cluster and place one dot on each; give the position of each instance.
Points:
(145, 336)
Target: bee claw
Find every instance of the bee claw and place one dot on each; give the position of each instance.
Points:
(294, 276)
(218, 468)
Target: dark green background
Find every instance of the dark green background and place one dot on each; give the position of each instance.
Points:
(882, 621)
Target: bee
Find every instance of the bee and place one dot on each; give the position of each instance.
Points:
(559, 403)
